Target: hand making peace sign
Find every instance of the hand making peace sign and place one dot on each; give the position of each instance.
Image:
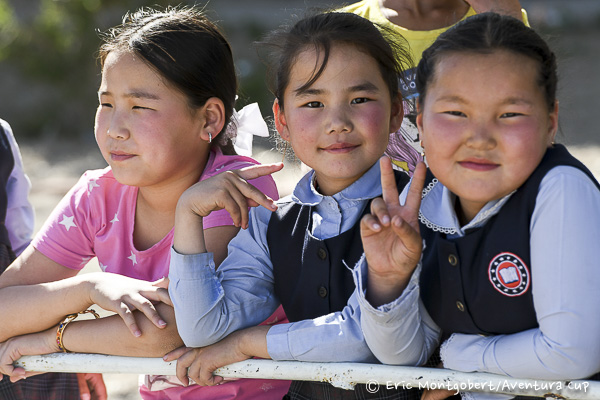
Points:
(390, 236)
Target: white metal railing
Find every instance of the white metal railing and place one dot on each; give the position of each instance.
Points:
(344, 375)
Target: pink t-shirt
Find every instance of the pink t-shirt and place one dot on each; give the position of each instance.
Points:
(96, 219)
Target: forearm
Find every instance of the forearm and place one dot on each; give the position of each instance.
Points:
(399, 332)
(210, 304)
(111, 336)
(32, 308)
(188, 235)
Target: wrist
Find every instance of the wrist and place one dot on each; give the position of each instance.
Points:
(383, 289)
(252, 342)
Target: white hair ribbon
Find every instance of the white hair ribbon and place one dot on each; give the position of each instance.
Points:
(248, 122)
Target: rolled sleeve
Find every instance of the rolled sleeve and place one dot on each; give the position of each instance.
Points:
(210, 304)
(400, 332)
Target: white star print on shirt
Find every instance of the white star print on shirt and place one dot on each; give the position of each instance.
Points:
(115, 219)
(133, 258)
(67, 222)
(102, 266)
(92, 184)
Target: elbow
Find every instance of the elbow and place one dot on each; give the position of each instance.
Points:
(573, 360)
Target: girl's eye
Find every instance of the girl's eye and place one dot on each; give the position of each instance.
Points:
(106, 105)
(455, 113)
(360, 100)
(313, 104)
(510, 115)
(140, 108)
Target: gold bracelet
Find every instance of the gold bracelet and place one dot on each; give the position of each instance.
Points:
(63, 325)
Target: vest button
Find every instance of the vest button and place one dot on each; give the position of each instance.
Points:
(460, 306)
(453, 260)
(322, 253)
(323, 291)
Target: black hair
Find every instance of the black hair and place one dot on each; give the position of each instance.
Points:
(486, 33)
(321, 31)
(186, 49)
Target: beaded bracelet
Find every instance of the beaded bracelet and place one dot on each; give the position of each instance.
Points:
(63, 325)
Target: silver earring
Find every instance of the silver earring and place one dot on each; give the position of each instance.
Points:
(209, 137)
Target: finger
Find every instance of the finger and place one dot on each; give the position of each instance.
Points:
(389, 189)
(256, 171)
(413, 197)
(253, 195)
(84, 390)
(182, 368)
(15, 378)
(162, 294)
(127, 316)
(369, 225)
(408, 235)
(207, 378)
(175, 354)
(380, 211)
(162, 282)
(147, 308)
(97, 386)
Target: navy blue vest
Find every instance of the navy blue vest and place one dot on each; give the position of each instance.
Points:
(311, 277)
(481, 283)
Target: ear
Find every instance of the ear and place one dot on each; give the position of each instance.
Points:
(213, 113)
(280, 121)
(553, 125)
(397, 114)
(419, 121)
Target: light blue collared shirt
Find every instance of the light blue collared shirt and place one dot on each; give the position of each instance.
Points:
(211, 304)
(564, 232)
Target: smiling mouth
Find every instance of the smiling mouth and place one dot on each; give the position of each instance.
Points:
(340, 148)
(120, 156)
(478, 165)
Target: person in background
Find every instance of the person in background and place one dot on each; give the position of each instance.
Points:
(16, 230)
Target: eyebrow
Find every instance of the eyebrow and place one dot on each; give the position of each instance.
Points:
(136, 94)
(509, 100)
(361, 87)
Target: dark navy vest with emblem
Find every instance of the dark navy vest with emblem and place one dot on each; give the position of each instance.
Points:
(311, 280)
(7, 164)
(481, 283)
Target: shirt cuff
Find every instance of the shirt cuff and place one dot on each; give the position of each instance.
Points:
(277, 342)
(191, 266)
(390, 312)
(463, 352)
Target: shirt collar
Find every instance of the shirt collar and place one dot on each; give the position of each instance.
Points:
(365, 187)
(437, 210)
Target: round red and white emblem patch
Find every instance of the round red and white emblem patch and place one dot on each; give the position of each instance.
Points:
(509, 274)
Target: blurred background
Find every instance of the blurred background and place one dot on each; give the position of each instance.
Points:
(49, 78)
(49, 75)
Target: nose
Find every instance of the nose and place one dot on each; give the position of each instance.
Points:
(481, 137)
(117, 128)
(339, 120)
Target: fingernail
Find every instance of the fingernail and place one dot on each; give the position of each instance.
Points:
(376, 227)
(385, 219)
(85, 396)
(137, 333)
(165, 358)
(162, 323)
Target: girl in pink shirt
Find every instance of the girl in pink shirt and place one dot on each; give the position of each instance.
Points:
(163, 124)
